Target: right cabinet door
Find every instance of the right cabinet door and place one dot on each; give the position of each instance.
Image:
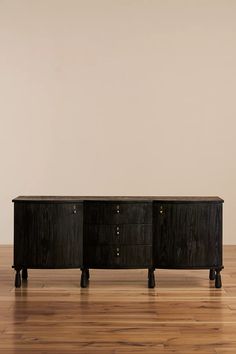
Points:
(187, 235)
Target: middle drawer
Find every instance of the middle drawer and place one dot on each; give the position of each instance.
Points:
(126, 234)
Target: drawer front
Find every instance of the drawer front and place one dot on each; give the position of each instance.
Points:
(114, 256)
(130, 234)
(117, 213)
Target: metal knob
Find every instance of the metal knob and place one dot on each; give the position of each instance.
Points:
(117, 209)
(117, 232)
(161, 209)
(74, 209)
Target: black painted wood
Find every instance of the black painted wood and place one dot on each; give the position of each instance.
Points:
(118, 232)
(133, 199)
(117, 213)
(24, 273)
(151, 278)
(122, 256)
(212, 274)
(187, 236)
(124, 234)
(48, 235)
(84, 279)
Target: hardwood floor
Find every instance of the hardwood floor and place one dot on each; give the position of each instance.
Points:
(117, 313)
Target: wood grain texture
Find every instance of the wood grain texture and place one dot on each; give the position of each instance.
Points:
(118, 256)
(187, 235)
(117, 213)
(69, 199)
(117, 314)
(151, 234)
(48, 235)
(126, 234)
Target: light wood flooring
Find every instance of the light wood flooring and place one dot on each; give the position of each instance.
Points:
(117, 313)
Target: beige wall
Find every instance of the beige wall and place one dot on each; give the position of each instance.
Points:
(117, 97)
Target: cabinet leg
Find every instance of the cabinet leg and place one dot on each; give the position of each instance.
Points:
(17, 279)
(151, 278)
(212, 274)
(84, 279)
(24, 273)
(87, 273)
(218, 283)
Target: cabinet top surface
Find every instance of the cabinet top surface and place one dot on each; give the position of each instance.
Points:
(118, 198)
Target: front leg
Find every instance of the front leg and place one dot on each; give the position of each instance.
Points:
(212, 274)
(84, 278)
(218, 283)
(151, 278)
(24, 273)
(18, 278)
(87, 273)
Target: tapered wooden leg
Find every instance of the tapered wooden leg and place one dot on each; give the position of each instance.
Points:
(24, 273)
(17, 279)
(151, 278)
(218, 283)
(212, 274)
(87, 273)
(84, 279)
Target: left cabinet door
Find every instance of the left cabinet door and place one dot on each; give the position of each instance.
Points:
(48, 235)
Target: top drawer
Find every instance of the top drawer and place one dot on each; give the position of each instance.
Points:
(117, 213)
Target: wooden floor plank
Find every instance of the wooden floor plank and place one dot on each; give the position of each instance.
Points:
(117, 314)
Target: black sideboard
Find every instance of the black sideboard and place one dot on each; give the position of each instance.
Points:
(117, 233)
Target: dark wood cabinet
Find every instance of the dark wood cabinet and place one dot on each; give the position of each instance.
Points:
(118, 256)
(187, 235)
(48, 235)
(118, 232)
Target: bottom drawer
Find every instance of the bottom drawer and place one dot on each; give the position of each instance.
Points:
(118, 256)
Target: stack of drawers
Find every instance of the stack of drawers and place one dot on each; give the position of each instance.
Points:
(117, 235)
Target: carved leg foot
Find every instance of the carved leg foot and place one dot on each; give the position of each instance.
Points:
(84, 279)
(218, 283)
(151, 278)
(212, 274)
(24, 273)
(17, 279)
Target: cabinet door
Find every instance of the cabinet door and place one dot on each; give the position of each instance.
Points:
(48, 235)
(187, 235)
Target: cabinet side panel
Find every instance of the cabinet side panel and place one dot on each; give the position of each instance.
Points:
(20, 232)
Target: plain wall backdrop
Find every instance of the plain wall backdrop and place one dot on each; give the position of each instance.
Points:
(117, 97)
